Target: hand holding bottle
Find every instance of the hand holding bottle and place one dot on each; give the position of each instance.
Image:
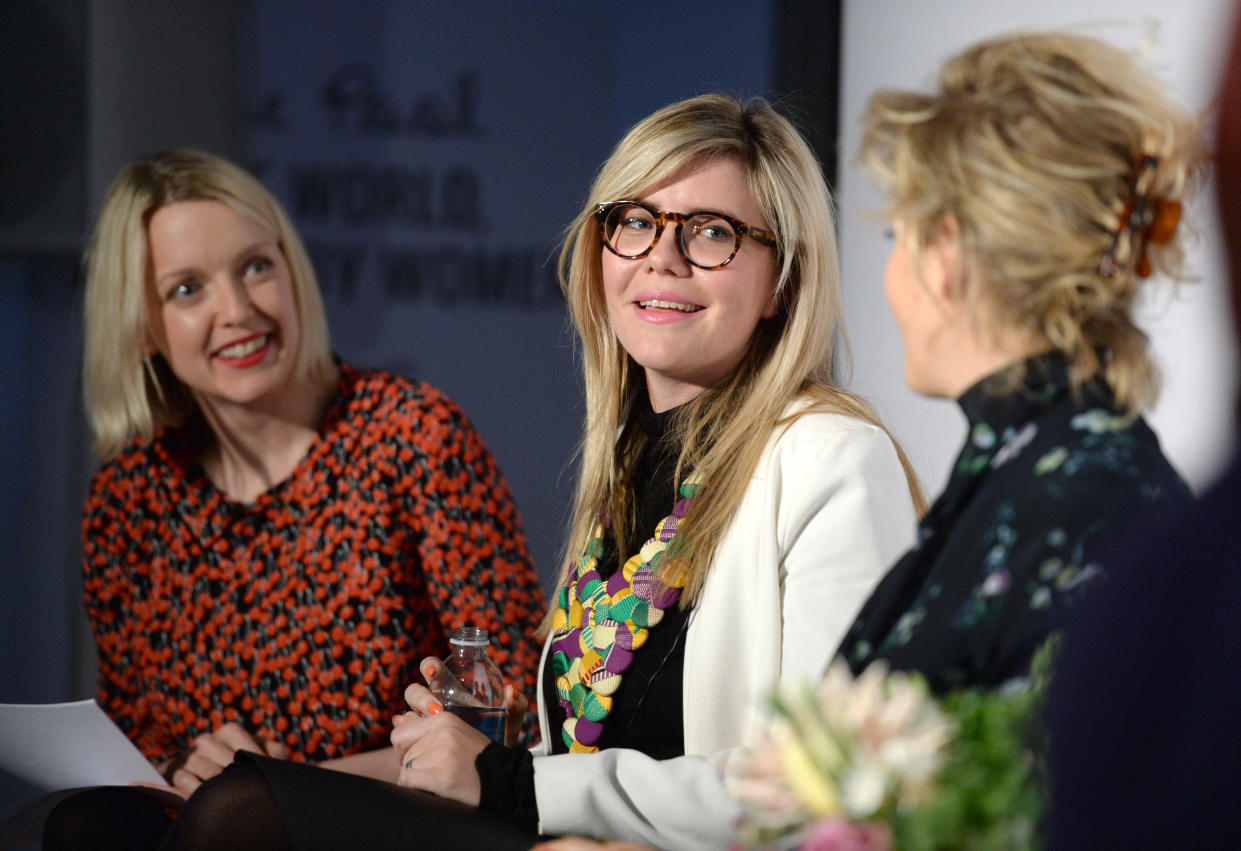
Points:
(437, 748)
(469, 684)
(515, 704)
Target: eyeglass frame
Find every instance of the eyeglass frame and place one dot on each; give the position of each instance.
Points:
(740, 230)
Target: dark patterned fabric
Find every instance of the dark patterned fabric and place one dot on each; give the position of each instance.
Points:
(302, 615)
(1045, 479)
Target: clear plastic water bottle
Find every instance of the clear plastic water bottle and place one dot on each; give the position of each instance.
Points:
(471, 686)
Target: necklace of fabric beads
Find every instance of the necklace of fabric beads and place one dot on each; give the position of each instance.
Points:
(598, 624)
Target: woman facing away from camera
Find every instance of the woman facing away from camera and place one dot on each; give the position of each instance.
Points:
(735, 507)
(275, 537)
(1031, 197)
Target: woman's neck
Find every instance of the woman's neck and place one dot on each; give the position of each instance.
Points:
(253, 448)
(982, 355)
(666, 394)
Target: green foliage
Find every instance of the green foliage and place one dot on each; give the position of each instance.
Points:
(990, 793)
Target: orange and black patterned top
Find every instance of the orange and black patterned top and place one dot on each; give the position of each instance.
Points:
(302, 615)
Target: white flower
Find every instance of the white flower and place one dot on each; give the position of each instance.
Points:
(849, 747)
(756, 777)
(865, 787)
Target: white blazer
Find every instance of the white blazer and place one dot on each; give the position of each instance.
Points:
(827, 512)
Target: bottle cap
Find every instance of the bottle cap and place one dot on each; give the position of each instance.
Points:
(470, 636)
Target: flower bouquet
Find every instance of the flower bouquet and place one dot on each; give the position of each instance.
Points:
(877, 763)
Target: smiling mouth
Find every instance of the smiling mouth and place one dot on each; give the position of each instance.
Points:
(669, 305)
(245, 348)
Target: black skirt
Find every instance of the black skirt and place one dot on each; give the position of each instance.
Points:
(328, 809)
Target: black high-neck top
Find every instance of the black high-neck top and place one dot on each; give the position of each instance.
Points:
(647, 713)
(1047, 475)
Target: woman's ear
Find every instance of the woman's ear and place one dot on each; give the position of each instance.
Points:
(774, 305)
(942, 267)
(152, 340)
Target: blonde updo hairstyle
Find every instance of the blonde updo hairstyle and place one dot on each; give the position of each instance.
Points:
(129, 389)
(724, 429)
(1031, 143)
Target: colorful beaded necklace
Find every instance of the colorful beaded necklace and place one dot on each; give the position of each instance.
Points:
(598, 624)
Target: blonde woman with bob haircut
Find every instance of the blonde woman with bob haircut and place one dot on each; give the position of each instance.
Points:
(734, 510)
(275, 537)
(130, 391)
(1032, 195)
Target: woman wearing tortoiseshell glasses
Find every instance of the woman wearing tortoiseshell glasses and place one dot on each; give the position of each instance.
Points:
(734, 509)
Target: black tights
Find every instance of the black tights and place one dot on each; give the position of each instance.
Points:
(233, 810)
(242, 807)
(321, 809)
(107, 817)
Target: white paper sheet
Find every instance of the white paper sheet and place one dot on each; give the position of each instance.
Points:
(65, 745)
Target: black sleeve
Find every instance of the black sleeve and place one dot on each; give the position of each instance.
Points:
(506, 778)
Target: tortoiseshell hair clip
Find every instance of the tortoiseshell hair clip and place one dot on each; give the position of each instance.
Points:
(1144, 221)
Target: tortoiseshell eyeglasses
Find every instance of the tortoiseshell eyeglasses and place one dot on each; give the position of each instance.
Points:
(706, 239)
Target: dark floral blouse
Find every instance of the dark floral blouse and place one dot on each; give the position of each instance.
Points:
(1045, 477)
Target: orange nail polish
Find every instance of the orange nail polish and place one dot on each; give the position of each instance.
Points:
(434, 709)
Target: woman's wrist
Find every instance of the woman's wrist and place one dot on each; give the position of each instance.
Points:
(506, 784)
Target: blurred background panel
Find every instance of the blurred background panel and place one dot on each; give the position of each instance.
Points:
(431, 155)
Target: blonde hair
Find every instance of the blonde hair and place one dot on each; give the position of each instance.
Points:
(130, 392)
(1031, 142)
(725, 428)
